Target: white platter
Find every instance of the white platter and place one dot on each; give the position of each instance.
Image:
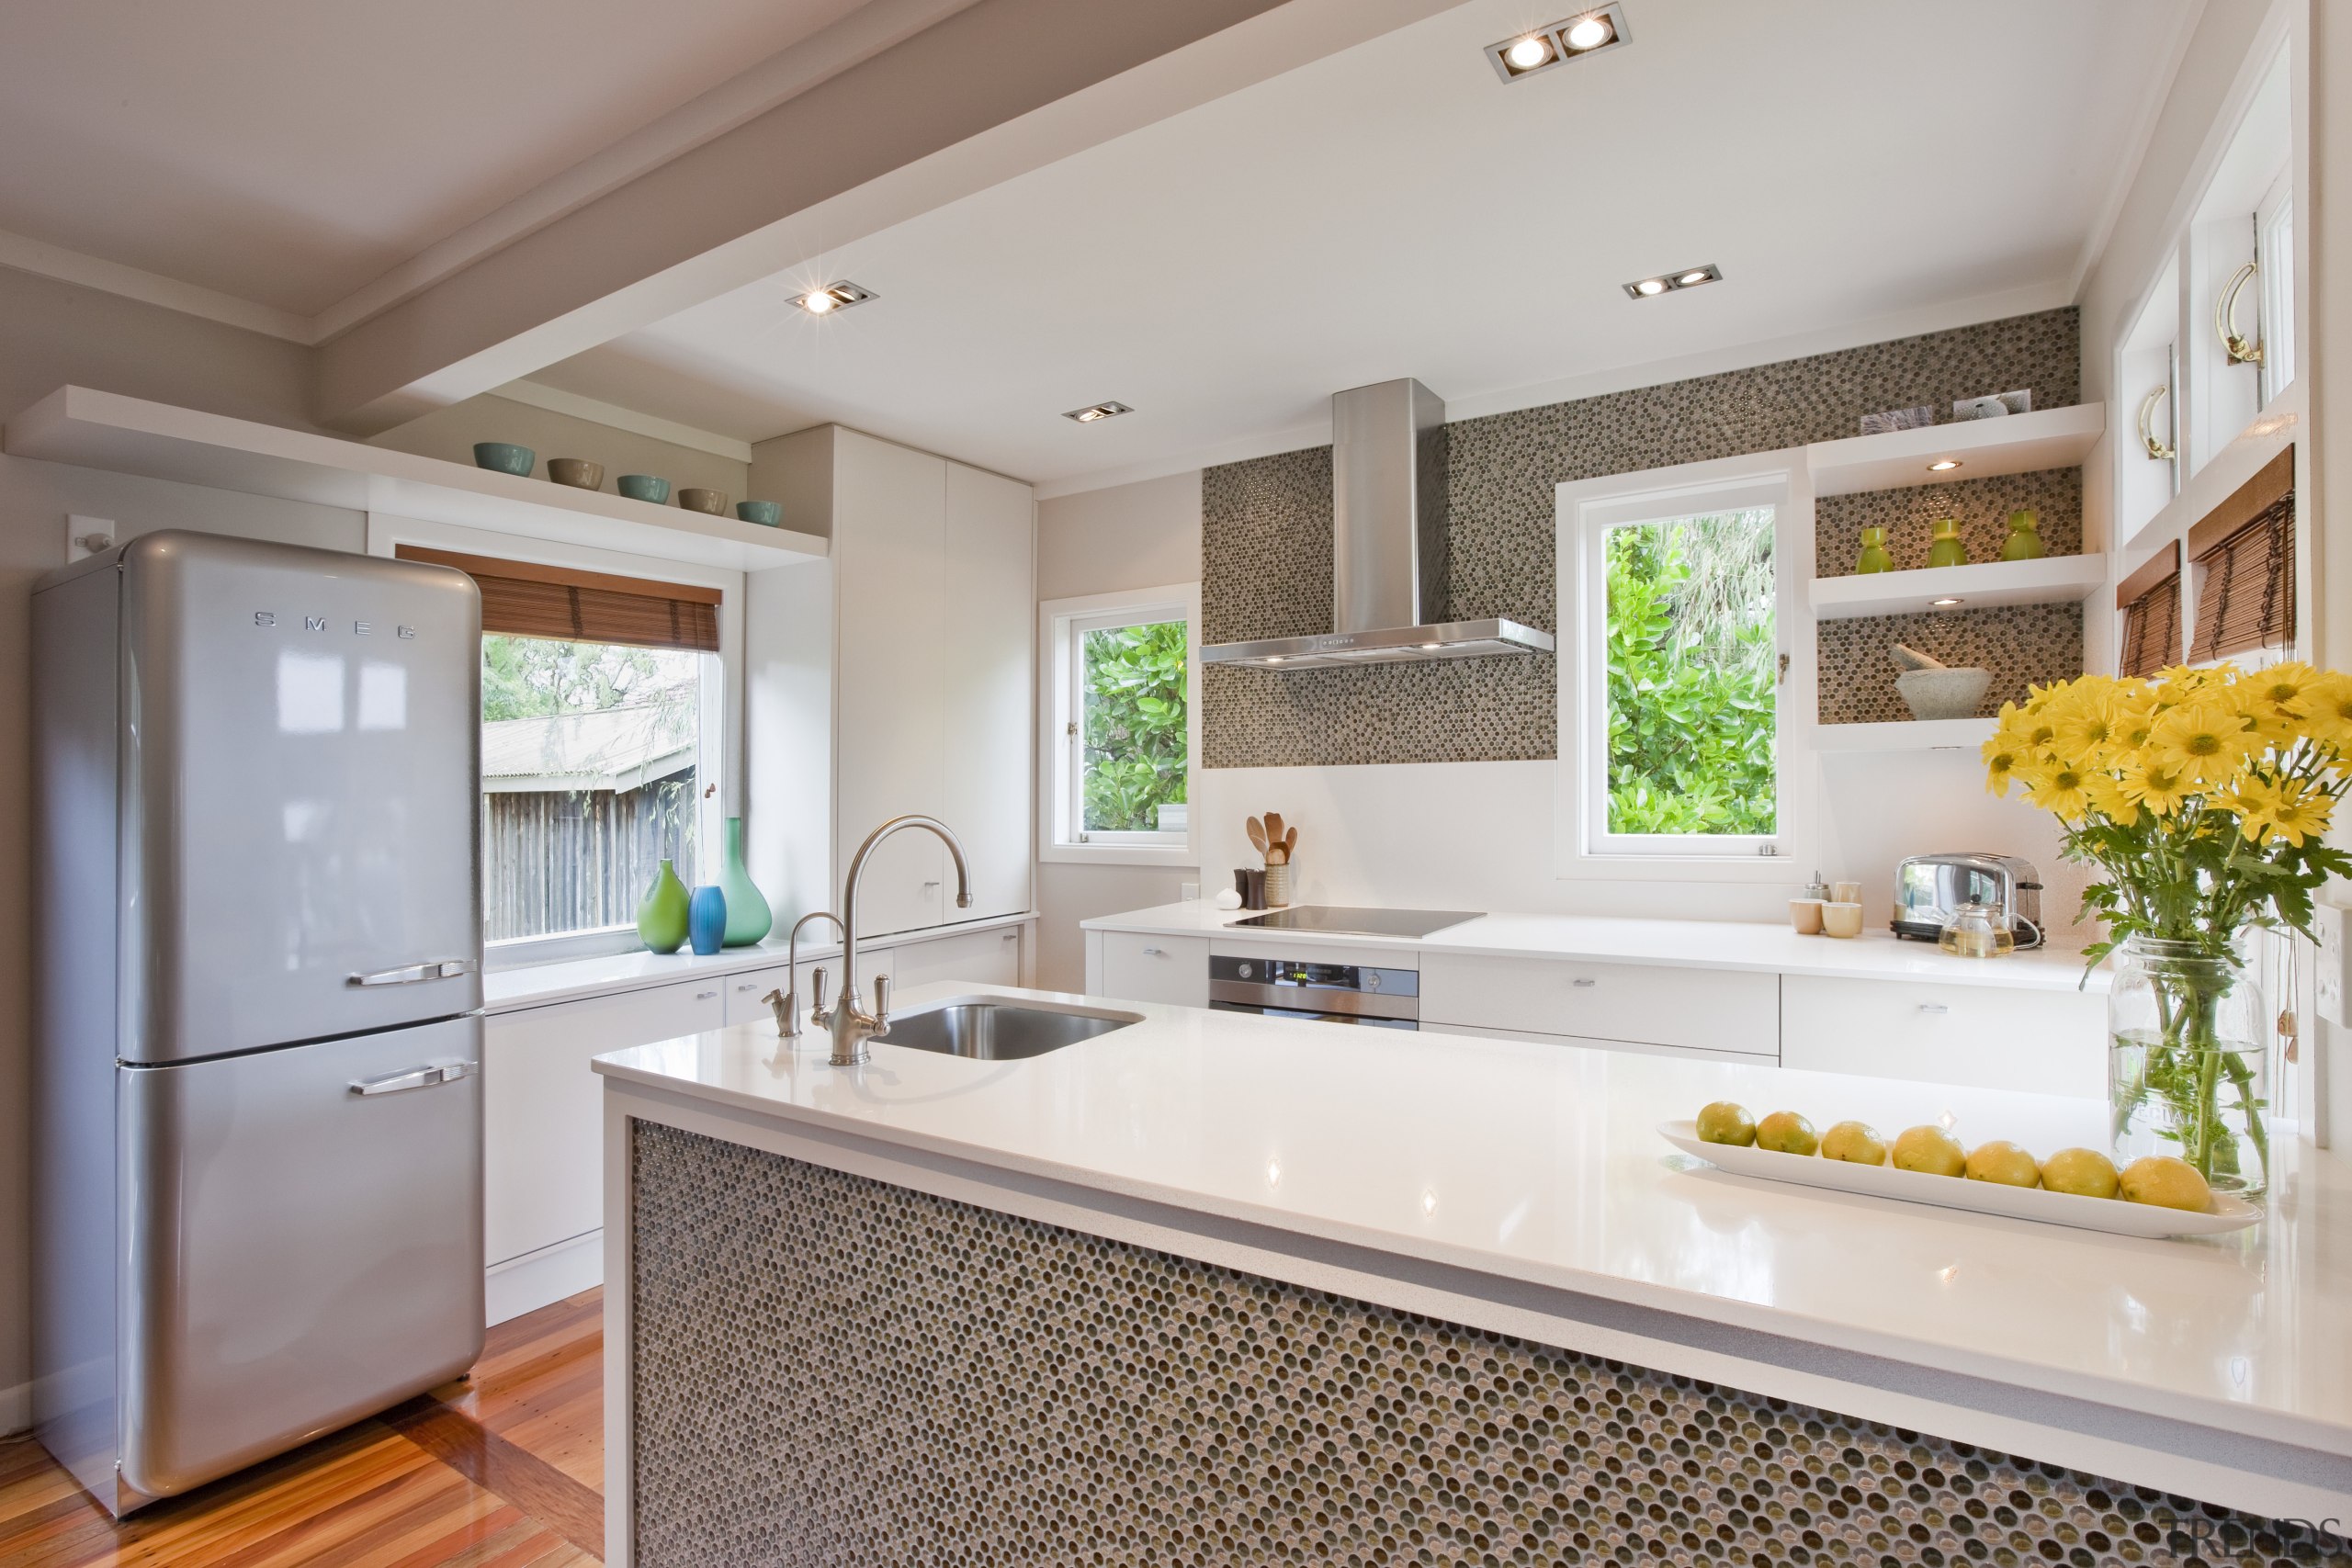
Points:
(1957, 1192)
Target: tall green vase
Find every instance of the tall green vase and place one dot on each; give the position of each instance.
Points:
(748, 916)
(661, 914)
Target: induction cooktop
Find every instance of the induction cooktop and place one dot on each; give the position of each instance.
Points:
(1360, 923)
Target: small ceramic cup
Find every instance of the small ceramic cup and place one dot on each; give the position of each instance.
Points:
(1804, 914)
(504, 456)
(711, 500)
(577, 472)
(1846, 892)
(644, 487)
(766, 513)
(1841, 919)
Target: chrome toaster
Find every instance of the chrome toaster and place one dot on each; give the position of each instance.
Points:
(1927, 888)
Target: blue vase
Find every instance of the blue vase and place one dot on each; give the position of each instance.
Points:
(707, 919)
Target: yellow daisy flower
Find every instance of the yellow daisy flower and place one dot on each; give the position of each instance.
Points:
(2001, 758)
(2296, 811)
(2327, 703)
(2085, 729)
(2160, 789)
(2062, 788)
(2108, 799)
(2206, 740)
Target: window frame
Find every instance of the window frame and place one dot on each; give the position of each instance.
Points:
(1583, 847)
(719, 720)
(2274, 221)
(1061, 624)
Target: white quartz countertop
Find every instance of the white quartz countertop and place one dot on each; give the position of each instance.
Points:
(1697, 944)
(1541, 1164)
(538, 984)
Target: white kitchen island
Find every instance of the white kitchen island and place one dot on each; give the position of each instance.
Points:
(1304, 1284)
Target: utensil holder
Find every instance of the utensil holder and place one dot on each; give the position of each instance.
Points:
(1278, 887)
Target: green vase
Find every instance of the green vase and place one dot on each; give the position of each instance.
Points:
(1947, 549)
(2024, 542)
(748, 916)
(662, 915)
(1874, 556)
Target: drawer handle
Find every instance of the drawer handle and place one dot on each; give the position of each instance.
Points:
(1935, 1007)
(1155, 952)
(1584, 983)
(705, 996)
(416, 1077)
(748, 985)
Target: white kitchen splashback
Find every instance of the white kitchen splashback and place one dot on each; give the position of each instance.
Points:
(1479, 835)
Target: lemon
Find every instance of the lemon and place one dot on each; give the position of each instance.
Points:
(2166, 1182)
(1855, 1140)
(1785, 1132)
(1723, 1122)
(2085, 1173)
(1929, 1149)
(2003, 1162)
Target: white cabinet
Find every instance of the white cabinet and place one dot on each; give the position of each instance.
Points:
(747, 993)
(972, 958)
(542, 1107)
(1704, 1009)
(1139, 968)
(896, 676)
(1987, 1037)
(1634, 1047)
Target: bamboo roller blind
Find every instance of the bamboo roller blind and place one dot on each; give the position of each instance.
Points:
(2150, 600)
(2244, 551)
(525, 599)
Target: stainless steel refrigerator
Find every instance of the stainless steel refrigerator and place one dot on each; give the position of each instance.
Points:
(257, 1150)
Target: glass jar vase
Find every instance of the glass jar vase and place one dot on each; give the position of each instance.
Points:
(2187, 1047)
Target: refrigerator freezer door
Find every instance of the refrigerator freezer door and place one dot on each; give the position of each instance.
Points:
(297, 1253)
(302, 801)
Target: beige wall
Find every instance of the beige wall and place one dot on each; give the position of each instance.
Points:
(1138, 536)
(449, 434)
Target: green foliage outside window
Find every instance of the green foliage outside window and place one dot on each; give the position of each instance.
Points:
(533, 677)
(1132, 725)
(1692, 669)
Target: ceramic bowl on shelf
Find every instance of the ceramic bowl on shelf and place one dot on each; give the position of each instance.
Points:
(505, 457)
(577, 472)
(711, 500)
(766, 513)
(1943, 693)
(644, 487)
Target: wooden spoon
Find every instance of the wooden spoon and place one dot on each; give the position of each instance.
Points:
(1273, 827)
(1290, 843)
(1257, 834)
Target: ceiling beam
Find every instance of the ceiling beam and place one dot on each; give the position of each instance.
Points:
(992, 91)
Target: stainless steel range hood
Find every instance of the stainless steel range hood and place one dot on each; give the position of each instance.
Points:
(1388, 546)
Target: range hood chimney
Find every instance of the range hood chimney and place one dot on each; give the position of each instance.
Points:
(1390, 555)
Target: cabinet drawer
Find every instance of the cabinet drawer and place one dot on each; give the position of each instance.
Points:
(1703, 1009)
(1173, 969)
(972, 958)
(543, 1127)
(1984, 1036)
(743, 993)
(1630, 1047)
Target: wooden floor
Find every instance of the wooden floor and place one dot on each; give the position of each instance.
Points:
(501, 1470)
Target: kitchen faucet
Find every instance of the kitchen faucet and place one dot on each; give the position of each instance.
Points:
(850, 1025)
(785, 1000)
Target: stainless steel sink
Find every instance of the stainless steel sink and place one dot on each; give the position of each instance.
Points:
(1000, 1032)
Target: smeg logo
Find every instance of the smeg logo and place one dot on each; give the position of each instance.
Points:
(319, 623)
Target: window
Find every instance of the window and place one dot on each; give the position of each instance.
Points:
(1677, 705)
(1120, 731)
(2150, 602)
(598, 693)
(2244, 554)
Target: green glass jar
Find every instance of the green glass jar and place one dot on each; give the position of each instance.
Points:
(1947, 549)
(2024, 542)
(1874, 556)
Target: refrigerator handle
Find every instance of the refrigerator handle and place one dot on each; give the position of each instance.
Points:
(416, 1077)
(410, 974)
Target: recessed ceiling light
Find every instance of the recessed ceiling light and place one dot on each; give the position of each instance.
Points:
(1587, 33)
(1944, 604)
(1093, 414)
(1529, 52)
(1667, 283)
(832, 297)
(1943, 464)
(1555, 44)
(1274, 658)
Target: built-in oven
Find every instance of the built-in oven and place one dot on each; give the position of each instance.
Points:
(1332, 992)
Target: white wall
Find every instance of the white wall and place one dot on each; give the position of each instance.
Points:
(1138, 536)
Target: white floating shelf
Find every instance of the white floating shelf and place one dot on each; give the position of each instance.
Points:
(132, 435)
(2053, 580)
(2011, 443)
(1915, 735)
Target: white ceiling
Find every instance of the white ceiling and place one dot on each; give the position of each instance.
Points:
(289, 151)
(1395, 210)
